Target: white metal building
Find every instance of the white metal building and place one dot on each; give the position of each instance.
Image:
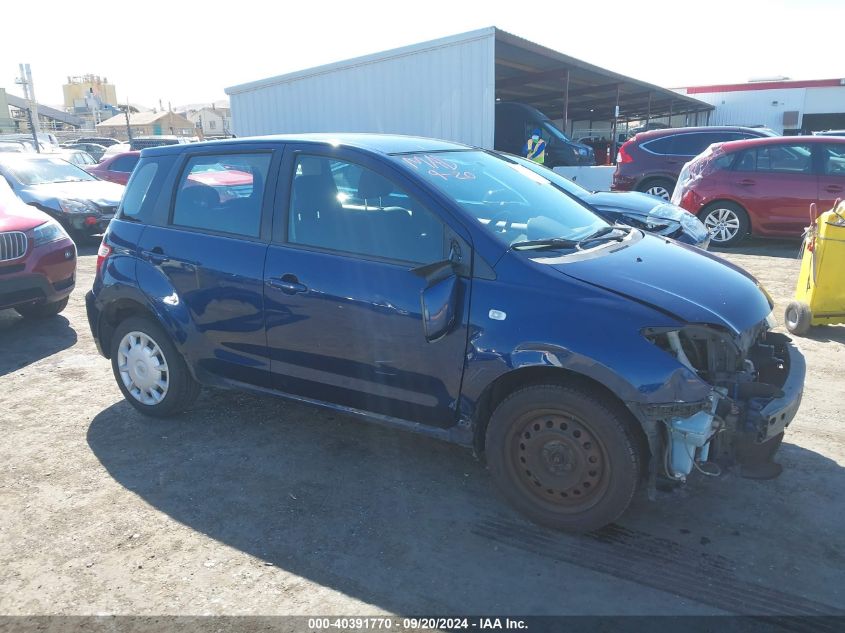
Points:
(787, 107)
(447, 88)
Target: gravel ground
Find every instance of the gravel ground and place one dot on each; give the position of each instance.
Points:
(254, 505)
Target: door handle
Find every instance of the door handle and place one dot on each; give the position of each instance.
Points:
(156, 256)
(834, 188)
(747, 182)
(288, 284)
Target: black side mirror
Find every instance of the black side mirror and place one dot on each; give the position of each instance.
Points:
(439, 300)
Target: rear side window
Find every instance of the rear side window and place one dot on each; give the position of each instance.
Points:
(124, 164)
(222, 193)
(138, 191)
(833, 157)
(790, 159)
(660, 145)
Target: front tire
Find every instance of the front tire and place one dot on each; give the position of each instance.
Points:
(726, 222)
(562, 457)
(42, 310)
(150, 371)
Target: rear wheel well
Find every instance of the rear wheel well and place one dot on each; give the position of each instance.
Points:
(506, 384)
(114, 314)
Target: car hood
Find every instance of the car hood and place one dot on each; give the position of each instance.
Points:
(17, 216)
(100, 192)
(692, 285)
(628, 200)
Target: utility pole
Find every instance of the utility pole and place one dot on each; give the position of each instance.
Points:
(128, 128)
(25, 81)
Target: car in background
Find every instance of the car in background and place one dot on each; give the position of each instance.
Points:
(114, 150)
(830, 133)
(105, 141)
(630, 208)
(75, 156)
(466, 297)
(93, 149)
(80, 202)
(762, 186)
(15, 146)
(143, 142)
(37, 259)
(115, 168)
(651, 161)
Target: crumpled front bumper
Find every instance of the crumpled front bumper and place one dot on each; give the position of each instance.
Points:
(773, 417)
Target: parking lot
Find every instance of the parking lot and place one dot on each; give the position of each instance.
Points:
(254, 505)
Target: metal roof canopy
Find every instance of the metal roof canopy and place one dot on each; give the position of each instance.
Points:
(564, 87)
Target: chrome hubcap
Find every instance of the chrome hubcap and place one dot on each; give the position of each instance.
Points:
(660, 192)
(723, 224)
(143, 368)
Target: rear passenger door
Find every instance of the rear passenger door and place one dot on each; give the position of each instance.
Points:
(343, 305)
(209, 242)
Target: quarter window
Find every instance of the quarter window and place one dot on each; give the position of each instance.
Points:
(345, 207)
(834, 159)
(124, 164)
(222, 193)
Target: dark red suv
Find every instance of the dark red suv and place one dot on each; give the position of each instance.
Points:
(37, 259)
(651, 161)
(762, 186)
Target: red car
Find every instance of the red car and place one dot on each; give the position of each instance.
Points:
(115, 168)
(651, 161)
(762, 186)
(37, 259)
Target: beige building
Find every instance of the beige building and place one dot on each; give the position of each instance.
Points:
(146, 124)
(78, 89)
(212, 121)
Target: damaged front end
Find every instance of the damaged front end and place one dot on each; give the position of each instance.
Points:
(757, 378)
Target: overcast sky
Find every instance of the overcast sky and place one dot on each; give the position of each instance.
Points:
(188, 52)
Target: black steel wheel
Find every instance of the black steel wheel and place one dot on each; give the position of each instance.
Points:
(562, 457)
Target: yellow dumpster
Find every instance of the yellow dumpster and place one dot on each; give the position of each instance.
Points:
(820, 293)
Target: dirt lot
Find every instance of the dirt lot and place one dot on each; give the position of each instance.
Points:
(253, 505)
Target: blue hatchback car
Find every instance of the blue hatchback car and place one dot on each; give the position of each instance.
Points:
(449, 291)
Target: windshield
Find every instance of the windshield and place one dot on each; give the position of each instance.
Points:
(551, 130)
(511, 201)
(561, 181)
(46, 170)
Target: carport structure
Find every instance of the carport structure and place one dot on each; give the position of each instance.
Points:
(567, 88)
(448, 88)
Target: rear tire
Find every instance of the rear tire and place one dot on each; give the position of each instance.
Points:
(727, 223)
(42, 310)
(150, 371)
(798, 317)
(658, 187)
(563, 457)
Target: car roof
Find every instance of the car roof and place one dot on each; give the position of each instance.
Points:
(378, 143)
(652, 134)
(733, 146)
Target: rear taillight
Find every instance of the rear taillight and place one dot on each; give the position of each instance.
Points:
(102, 254)
(623, 156)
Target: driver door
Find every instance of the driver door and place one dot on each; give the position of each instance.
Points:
(345, 298)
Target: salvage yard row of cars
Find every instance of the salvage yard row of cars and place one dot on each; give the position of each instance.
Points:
(337, 270)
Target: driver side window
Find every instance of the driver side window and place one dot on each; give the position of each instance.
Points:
(345, 207)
